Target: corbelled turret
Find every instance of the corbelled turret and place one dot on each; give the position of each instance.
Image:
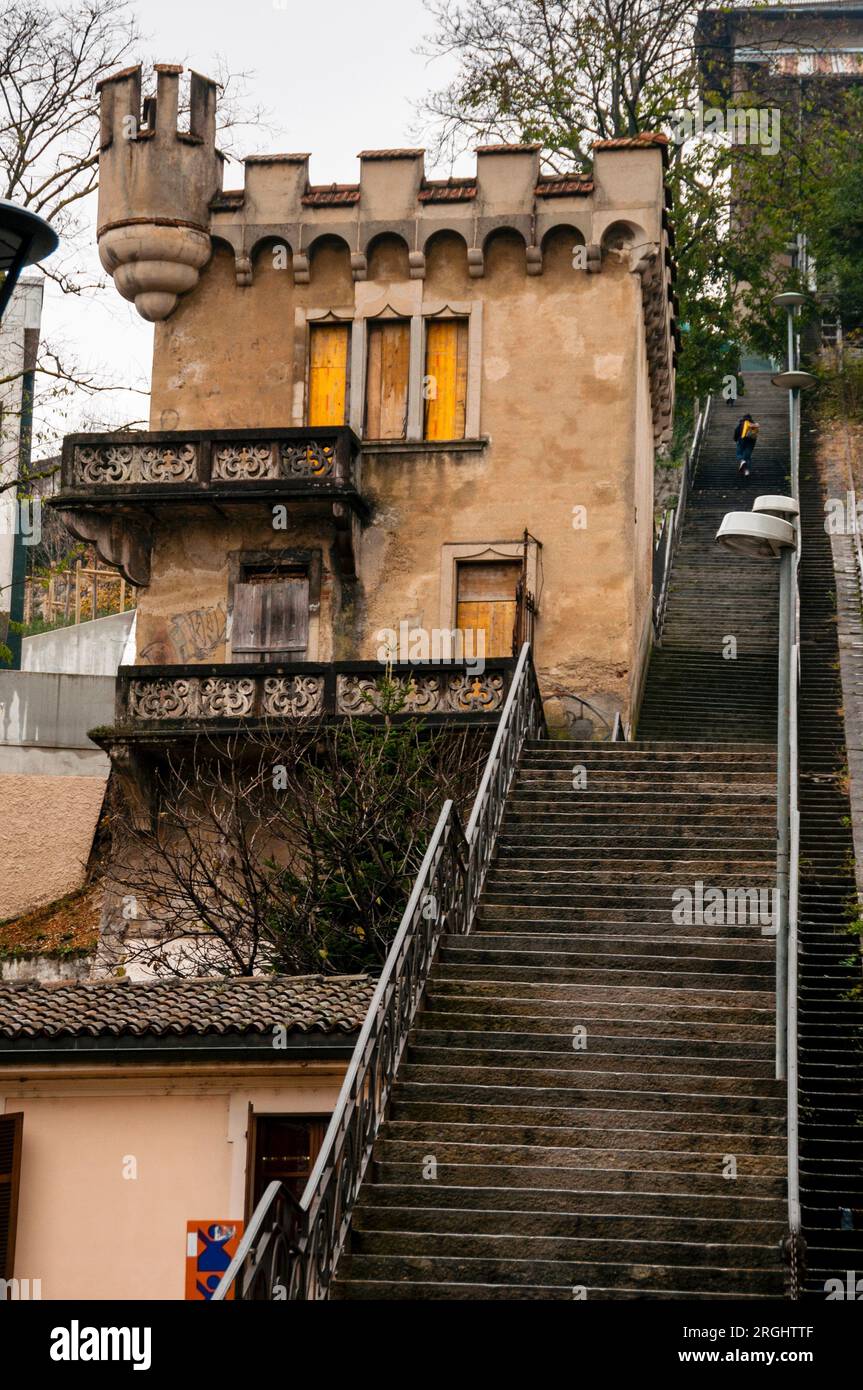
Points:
(155, 186)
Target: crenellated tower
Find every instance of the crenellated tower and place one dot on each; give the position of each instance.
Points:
(156, 183)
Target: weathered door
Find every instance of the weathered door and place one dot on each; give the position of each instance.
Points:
(487, 602)
(271, 617)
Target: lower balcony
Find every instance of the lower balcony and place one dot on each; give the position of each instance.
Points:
(157, 700)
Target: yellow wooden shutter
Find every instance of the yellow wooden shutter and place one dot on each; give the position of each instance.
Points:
(486, 603)
(387, 379)
(446, 378)
(328, 373)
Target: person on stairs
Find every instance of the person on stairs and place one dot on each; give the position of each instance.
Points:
(745, 437)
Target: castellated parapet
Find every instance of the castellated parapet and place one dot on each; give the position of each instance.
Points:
(162, 207)
(156, 183)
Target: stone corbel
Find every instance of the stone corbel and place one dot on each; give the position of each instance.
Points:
(594, 258)
(243, 271)
(359, 265)
(119, 539)
(134, 775)
(344, 541)
(417, 264)
(302, 274)
(646, 261)
(534, 260)
(475, 263)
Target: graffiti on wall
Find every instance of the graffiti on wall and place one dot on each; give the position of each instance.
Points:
(191, 636)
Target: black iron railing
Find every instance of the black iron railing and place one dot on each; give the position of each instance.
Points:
(291, 1248)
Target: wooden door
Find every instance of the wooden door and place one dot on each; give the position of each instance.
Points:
(446, 378)
(282, 1148)
(271, 617)
(11, 1133)
(328, 373)
(387, 369)
(487, 602)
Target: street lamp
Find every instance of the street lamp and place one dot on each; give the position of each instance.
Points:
(793, 380)
(765, 534)
(24, 239)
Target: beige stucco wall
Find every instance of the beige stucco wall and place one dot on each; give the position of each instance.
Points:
(564, 411)
(47, 832)
(88, 1232)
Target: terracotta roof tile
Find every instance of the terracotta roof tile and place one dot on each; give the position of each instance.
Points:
(332, 195)
(631, 142)
(447, 191)
(122, 1008)
(507, 149)
(562, 185)
(390, 154)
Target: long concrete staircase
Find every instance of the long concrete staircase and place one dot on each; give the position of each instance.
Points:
(588, 1106)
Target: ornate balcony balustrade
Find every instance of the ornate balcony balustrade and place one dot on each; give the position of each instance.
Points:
(181, 698)
(113, 485)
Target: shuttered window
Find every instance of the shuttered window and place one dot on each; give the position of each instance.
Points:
(387, 368)
(487, 603)
(271, 616)
(11, 1130)
(445, 385)
(328, 373)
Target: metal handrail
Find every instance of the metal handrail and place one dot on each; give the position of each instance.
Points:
(297, 1244)
(795, 1248)
(672, 521)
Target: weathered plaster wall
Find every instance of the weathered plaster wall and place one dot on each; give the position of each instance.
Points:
(565, 338)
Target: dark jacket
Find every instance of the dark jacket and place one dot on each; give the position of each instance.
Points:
(739, 430)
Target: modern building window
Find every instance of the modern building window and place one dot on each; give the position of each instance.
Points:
(445, 384)
(328, 373)
(270, 614)
(282, 1148)
(486, 601)
(11, 1130)
(387, 374)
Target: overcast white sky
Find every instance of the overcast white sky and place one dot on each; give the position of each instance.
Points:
(336, 78)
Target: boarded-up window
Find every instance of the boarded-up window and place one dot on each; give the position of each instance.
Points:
(283, 1148)
(445, 384)
(11, 1130)
(487, 603)
(387, 367)
(271, 616)
(328, 373)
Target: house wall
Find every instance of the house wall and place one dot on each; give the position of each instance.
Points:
(89, 1232)
(529, 466)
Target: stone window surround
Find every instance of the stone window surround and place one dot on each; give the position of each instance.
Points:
(310, 560)
(401, 303)
(452, 552)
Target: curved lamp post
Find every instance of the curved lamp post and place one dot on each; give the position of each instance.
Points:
(768, 533)
(24, 239)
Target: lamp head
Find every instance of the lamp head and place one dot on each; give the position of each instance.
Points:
(755, 535)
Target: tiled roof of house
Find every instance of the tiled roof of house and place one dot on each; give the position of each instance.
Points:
(175, 1007)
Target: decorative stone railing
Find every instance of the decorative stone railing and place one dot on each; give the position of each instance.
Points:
(178, 697)
(113, 486)
(325, 456)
